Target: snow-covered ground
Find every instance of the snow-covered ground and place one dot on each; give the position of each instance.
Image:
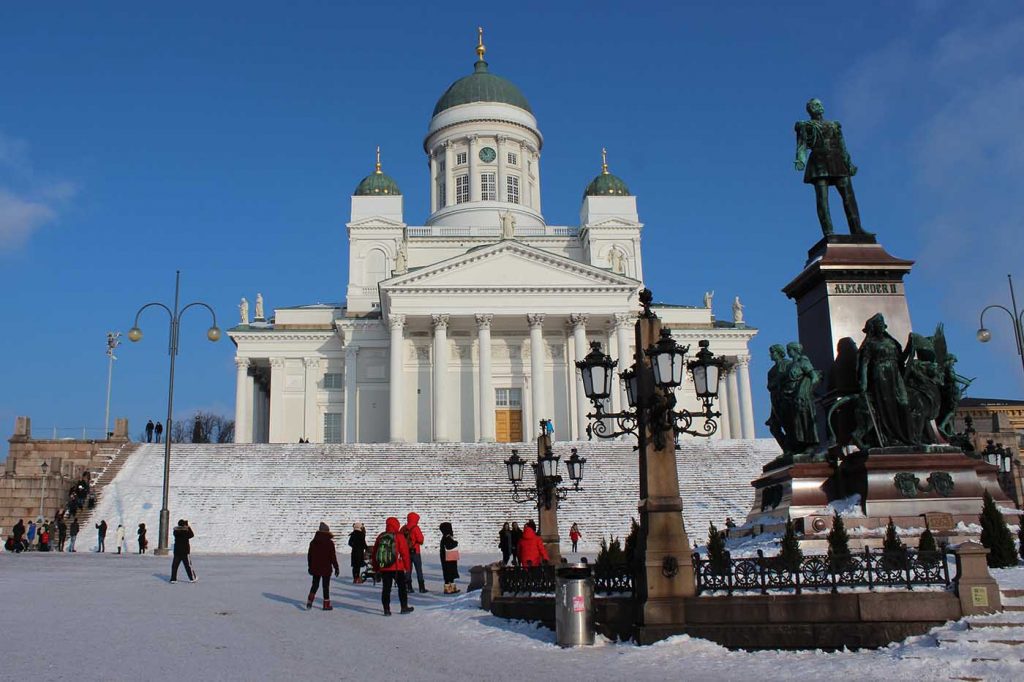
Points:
(104, 617)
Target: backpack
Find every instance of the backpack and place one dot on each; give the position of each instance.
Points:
(385, 553)
(408, 537)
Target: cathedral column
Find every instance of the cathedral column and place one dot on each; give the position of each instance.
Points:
(474, 176)
(579, 334)
(277, 425)
(536, 182)
(449, 176)
(351, 378)
(397, 322)
(433, 181)
(500, 148)
(243, 402)
(486, 400)
(440, 406)
(745, 399)
(622, 325)
(537, 383)
(311, 431)
(723, 405)
(735, 428)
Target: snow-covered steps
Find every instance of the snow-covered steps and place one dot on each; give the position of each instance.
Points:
(268, 498)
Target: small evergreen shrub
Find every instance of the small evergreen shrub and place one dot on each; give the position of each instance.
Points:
(838, 541)
(717, 556)
(892, 542)
(996, 536)
(611, 553)
(927, 542)
(632, 540)
(790, 552)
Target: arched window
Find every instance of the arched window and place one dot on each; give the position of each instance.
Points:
(375, 266)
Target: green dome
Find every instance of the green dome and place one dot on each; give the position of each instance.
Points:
(481, 86)
(377, 183)
(605, 185)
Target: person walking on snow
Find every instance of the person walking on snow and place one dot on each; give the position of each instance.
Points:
(158, 429)
(143, 544)
(119, 539)
(149, 431)
(101, 536)
(391, 560)
(321, 558)
(182, 549)
(62, 533)
(74, 534)
(531, 548)
(575, 535)
(414, 538)
(357, 541)
(449, 558)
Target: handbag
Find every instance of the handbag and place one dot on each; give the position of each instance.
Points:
(451, 555)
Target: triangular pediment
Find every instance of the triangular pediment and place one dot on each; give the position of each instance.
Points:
(508, 264)
(375, 221)
(612, 223)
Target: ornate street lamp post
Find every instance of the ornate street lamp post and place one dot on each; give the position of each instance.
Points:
(113, 341)
(665, 577)
(1016, 318)
(546, 491)
(135, 334)
(42, 496)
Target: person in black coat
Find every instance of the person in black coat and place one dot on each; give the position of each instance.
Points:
(182, 549)
(101, 536)
(505, 543)
(19, 534)
(357, 541)
(143, 543)
(74, 534)
(149, 431)
(517, 535)
(62, 534)
(449, 558)
(321, 560)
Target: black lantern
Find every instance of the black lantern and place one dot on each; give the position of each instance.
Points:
(514, 466)
(706, 370)
(575, 466)
(667, 360)
(632, 384)
(548, 464)
(596, 370)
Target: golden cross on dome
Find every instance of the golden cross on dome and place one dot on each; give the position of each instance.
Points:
(604, 161)
(378, 160)
(480, 49)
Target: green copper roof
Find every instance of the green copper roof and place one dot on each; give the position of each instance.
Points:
(605, 185)
(481, 86)
(377, 184)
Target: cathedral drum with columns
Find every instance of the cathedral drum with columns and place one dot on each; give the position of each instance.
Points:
(466, 329)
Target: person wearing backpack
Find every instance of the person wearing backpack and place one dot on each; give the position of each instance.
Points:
(357, 541)
(391, 560)
(321, 558)
(414, 538)
(449, 558)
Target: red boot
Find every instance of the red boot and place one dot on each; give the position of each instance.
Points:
(327, 605)
(309, 600)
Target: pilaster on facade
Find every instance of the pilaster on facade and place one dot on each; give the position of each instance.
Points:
(311, 429)
(439, 403)
(396, 323)
(485, 417)
(243, 401)
(351, 383)
(745, 398)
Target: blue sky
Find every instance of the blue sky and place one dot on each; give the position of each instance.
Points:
(224, 139)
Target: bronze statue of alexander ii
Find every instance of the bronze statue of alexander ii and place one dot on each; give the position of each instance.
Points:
(829, 164)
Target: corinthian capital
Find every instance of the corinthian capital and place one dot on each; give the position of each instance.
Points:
(311, 363)
(535, 320)
(578, 320)
(396, 321)
(483, 320)
(242, 363)
(624, 319)
(440, 321)
(277, 363)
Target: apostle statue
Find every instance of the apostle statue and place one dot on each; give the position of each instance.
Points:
(259, 307)
(243, 309)
(829, 165)
(508, 225)
(708, 295)
(402, 260)
(737, 311)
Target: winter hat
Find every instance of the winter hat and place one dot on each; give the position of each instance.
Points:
(323, 527)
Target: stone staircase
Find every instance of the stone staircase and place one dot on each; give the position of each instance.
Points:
(269, 498)
(113, 458)
(993, 638)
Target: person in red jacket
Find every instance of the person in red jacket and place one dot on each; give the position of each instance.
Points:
(414, 538)
(531, 548)
(321, 559)
(391, 547)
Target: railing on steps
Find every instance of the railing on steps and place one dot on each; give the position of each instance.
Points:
(901, 569)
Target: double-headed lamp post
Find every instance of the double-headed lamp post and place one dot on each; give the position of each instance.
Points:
(659, 364)
(1016, 318)
(546, 491)
(135, 334)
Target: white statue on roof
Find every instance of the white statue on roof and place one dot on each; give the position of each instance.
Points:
(259, 307)
(243, 309)
(708, 295)
(508, 225)
(737, 311)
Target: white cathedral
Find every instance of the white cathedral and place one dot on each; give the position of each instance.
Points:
(467, 328)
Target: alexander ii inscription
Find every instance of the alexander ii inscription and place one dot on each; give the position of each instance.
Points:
(867, 289)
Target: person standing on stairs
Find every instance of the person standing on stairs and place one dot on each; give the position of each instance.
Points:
(101, 536)
(62, 533)
(149, 431)
(357, 541)
(182, 549)
(449, 558)
(158, 429)
(74, 534)
(320, 560)
(391, 560)
(414, 538)
(575, 535)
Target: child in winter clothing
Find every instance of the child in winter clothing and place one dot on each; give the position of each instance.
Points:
(449, 558)
(320, 559)
(395, 572)
(574, 535)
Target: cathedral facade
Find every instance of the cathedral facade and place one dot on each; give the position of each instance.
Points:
(467, 328)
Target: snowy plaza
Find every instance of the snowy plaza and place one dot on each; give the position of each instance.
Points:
(117, 618)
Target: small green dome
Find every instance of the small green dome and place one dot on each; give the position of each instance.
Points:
(481, 86)
(605, 185)
(377, 184)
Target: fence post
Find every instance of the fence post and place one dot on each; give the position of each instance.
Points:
(696, 572)
(870, 568)
(728, 571)
(761, 579)
(908, 568)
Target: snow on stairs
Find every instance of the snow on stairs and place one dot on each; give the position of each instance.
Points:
(995, 637)
(116, 457)
(269, 498)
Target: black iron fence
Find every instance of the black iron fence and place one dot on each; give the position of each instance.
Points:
(608, 580)
(901, 569)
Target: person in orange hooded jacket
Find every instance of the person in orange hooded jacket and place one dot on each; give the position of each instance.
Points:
(531, 548)
(414, 538)
(395, 573)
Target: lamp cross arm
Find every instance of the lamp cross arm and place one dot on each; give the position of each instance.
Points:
(149, 305)
(204, 305)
